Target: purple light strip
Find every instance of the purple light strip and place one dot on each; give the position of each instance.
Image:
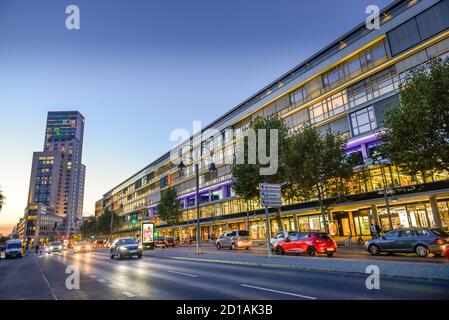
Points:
(360, 141)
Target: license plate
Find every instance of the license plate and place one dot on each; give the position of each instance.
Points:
(133, 251)
(330, 249)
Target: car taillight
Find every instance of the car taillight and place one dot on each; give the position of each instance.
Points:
(440, 241)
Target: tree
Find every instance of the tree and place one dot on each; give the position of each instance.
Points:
(416, 136)
(169, 207)
(247, 176)
(318, 168)
(2, 200)
(103, 224)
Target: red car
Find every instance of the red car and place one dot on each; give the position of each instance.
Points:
(311, 243)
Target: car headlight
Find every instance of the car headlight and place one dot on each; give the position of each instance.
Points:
(123, 249)
(140, 247)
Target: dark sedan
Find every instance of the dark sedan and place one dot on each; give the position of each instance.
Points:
(126, 247)
(421, 241)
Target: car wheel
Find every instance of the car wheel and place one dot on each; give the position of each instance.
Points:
(373, 250)
(422, 250)
(112, 256)
(233, 247)
(139, 256)
(247, 248)
(330, 254)
(218, 246)
(311, 251)
(279, 251)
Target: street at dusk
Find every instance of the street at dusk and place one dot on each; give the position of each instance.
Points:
(216, 159)
(155, 277)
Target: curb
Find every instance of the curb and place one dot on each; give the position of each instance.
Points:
(290, 267)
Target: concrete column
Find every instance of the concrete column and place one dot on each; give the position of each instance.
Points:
(435, 212)
(374, 214)
(295, 222)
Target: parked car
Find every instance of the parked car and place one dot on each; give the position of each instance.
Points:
(234, 239)
(421, 241)
(82, 246)
(311, 243)
(13, 249)
(160, 242)
(446, 251)
(171, 242)
(2, 252)
(125, 247)
(279, 237)
(56, 247)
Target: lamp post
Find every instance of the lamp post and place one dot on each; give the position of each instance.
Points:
(181, 166)
(377, 159)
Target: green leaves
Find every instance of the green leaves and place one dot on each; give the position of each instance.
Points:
(416, 134)
(247, 176)
(169, 207)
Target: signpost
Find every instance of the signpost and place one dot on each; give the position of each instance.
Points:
(270, 196)
(147, 235)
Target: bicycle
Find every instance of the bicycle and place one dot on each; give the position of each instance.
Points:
(360, 241)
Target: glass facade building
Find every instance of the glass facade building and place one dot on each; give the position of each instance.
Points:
(346, 87)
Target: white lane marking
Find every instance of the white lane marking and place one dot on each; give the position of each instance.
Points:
(101, 280)
(184, 274)
(46, 281)
(277, 291)
(128, 294)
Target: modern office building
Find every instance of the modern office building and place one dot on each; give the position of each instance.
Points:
(57, 175)
(346, 87)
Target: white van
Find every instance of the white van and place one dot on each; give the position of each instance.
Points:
(13, 249)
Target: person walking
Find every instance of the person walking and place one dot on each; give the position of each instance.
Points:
(373, 230)
(378, 230)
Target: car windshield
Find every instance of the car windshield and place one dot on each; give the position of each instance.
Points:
(440, 232)
(127, 241)
(55, 243)
(13, 245)
(243, 233)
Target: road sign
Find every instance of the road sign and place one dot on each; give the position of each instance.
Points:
(270, 195)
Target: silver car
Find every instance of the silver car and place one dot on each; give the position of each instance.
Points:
(421, 241)
(234, 239)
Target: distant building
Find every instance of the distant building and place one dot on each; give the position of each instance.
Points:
(57, 179)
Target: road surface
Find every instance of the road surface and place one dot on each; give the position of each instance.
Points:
(34, 277)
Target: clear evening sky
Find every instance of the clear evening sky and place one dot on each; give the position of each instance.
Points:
(137, 69)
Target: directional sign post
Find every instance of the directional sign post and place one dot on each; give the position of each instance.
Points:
(270, 196)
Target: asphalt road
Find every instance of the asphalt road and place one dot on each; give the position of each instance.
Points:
(45, 277)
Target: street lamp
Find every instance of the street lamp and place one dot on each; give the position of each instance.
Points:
(212, 167)
(377, 159)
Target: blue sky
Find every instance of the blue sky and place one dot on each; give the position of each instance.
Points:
(138, 69)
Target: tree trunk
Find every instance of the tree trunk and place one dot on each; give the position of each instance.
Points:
(279, 220)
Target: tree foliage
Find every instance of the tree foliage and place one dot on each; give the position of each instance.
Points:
(317, 167)
(247, 176)
(103, 222)
(2, 200)
(169, 207)
(416, 136)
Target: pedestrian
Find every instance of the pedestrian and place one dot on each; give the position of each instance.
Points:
(378, 230)
(373, 231)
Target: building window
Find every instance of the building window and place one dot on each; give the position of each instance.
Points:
(363, 120)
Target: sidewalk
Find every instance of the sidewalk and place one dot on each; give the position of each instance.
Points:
(419, 271)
